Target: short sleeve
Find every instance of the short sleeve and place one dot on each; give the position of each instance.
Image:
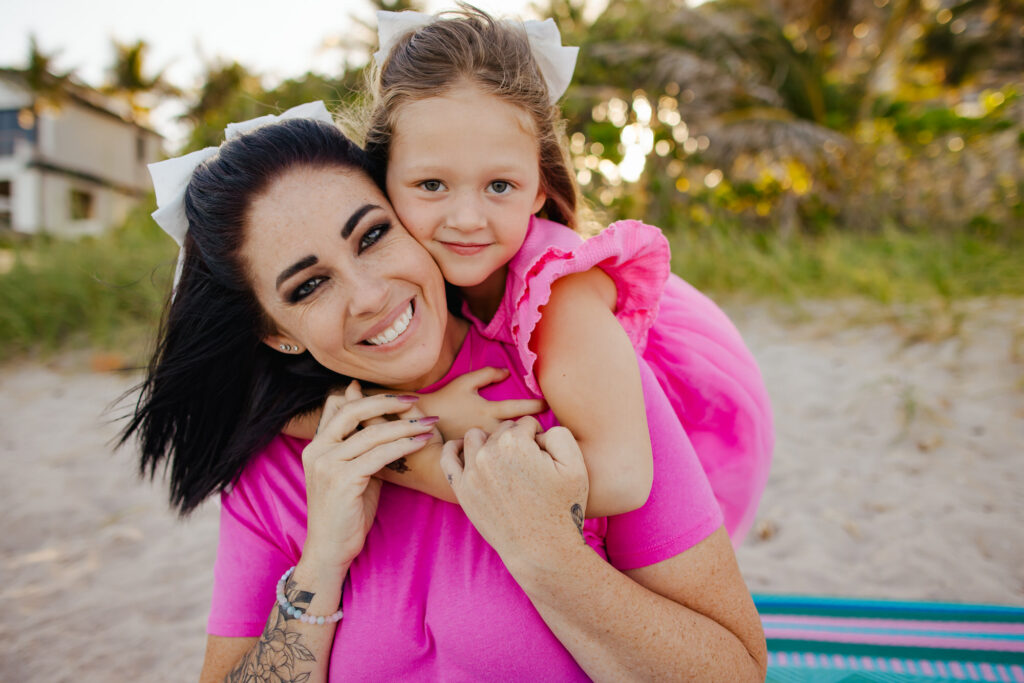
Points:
(636, 256)
(257, 543)
(681, 510)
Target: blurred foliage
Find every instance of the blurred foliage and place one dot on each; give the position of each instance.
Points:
(800, 117)
(96, 290)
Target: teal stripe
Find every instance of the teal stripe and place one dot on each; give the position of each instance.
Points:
(886, 609)
(882, 631)
(897, 651)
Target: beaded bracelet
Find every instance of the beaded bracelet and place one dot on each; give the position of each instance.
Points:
(297, 612)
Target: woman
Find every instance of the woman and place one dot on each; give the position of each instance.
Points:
(293, 254)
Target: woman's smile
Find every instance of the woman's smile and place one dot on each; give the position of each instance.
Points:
(394, 333)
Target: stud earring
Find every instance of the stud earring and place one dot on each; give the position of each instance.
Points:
(288, 348)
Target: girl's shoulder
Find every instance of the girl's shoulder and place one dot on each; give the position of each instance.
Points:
(549, 244)
(634, 255)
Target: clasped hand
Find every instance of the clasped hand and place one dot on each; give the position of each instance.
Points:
(524, 490)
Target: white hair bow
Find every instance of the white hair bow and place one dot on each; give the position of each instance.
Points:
(555, 60)
(171, 177)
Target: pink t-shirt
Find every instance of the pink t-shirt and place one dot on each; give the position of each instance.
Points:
(428, 599)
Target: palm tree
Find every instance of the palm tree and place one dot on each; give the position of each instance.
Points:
(127, 77)
(41, 77)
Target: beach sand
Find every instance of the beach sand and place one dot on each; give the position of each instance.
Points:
(899, 473)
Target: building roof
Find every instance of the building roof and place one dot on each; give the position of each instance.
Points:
(85, 96)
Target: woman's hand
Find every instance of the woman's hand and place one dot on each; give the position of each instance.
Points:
(461, 407)
(525, 492)
(339, 463)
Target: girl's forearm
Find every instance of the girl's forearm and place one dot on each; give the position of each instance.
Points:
(421, 471)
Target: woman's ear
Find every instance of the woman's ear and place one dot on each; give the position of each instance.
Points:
(283, 343)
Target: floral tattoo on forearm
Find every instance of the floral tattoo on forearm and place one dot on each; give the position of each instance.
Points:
(278, 652)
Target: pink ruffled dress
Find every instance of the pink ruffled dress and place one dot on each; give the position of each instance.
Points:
(695, 351)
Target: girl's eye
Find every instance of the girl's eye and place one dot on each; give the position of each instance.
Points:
(306, 288)
(501, 186)
(432, 185)
(373, 235)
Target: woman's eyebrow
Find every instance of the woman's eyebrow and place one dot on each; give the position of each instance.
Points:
(308, 261)
(299, 265)
(354, 219)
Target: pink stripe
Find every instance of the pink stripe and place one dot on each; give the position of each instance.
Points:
(958, 671)
(897, 639)
(1018, 674)
(926, 668)
(968, 626)
(896, 665)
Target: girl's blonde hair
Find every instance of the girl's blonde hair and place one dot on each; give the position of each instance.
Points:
(493, 56)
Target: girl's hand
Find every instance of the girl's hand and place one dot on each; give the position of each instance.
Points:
(461, 407)
(523, 491)
(339, 464)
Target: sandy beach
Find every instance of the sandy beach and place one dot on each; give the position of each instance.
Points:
(899, 473)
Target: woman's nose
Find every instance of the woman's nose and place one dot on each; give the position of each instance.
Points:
(368, 294)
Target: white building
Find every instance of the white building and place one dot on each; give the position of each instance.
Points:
(70, 168)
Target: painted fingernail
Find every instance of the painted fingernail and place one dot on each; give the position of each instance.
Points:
(422, 437)
(405, 398)
(425, 420)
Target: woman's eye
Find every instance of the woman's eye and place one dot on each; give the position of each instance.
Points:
(500, 186)
(432, 185)
(373, 235)
(306, 288)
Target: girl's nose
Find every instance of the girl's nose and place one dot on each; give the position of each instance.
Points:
(466, 213)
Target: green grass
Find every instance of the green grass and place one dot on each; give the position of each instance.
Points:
(105, 292)
(891, 266)
(108, 292)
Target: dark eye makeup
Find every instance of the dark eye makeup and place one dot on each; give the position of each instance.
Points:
(374, 234)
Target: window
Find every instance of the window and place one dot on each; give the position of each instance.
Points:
(5, 189)
(15, 125)
(81, 205)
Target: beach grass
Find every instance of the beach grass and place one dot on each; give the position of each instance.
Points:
(103, 292)
(891, 266)
(108, 292)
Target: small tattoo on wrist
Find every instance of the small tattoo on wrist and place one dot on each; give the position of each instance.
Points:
(398, 466)
(577, 517)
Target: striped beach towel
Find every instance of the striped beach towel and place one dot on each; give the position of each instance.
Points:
(812, 639)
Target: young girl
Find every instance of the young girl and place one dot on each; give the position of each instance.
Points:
(466, 127)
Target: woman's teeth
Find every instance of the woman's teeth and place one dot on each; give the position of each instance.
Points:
(397, 328)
